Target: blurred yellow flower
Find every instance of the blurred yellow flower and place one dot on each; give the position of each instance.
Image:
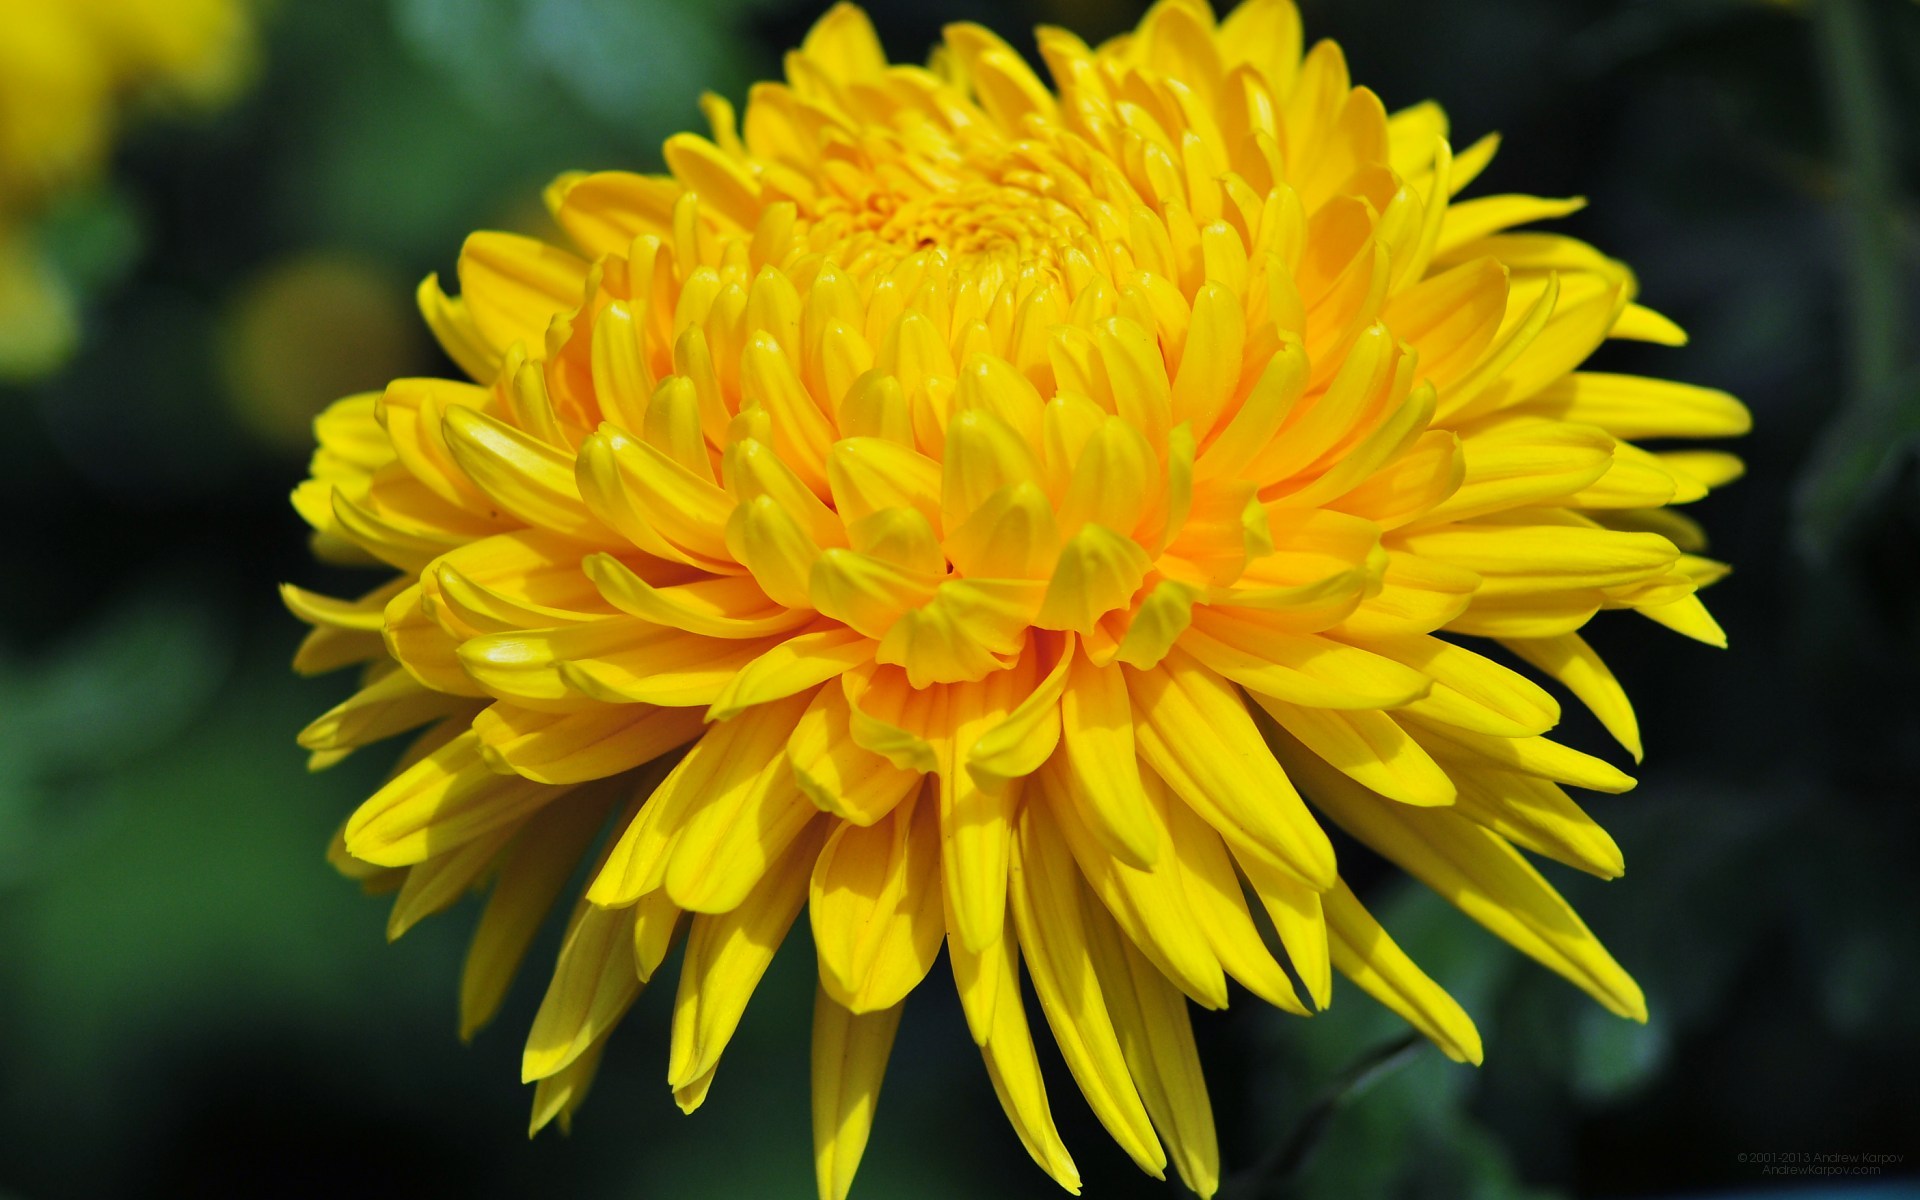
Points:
(1010, 519)
(68, 71)
(306, 329)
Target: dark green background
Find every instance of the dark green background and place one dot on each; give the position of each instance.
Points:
(192, 1004)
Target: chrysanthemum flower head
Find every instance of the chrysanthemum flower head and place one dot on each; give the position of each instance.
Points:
(1014, 519)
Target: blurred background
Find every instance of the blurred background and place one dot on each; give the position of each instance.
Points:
(193, 1004)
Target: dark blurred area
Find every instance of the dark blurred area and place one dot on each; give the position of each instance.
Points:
(193, 1004)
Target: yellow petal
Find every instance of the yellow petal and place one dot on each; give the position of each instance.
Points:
(1102, 765)
(976, 832)
(1047, 908)
(593, 983)
(559, 1095)
(734, 772)
(850, 1054)
(790, 667)
(1298, 919)
(1156, 1036)
(1633, 407)
(725, 187)
(1536, 815)
(1299, 668)
(1012, 535)
(1219, 906)
(843, 41)
(1151, 903)
(394, 703)
(876, 909)
(1528, 755)
(436, 884)
(869, 474)
(1098, 572)
(656, 503)
(621, 660)
(1480, 874)
(726, 955)
(530, 878)
(989, 985)
(1365, 954)
(727, 606)
(1471, 691)
(1473, 219)
(1525, 558)
(1195, 733)
(1525, 462)
(1570, 660)
(726, 841)
(838, 774)
(449, 797)
(513, 286)
(549, 747)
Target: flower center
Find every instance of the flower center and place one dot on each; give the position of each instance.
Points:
(999, 208)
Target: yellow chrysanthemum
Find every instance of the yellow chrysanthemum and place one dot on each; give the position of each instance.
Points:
(986, 516)
(66, 69)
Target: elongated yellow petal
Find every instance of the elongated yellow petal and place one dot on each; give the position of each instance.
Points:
(726, 607)
(558, 1096)
(549, 747)
(1047, 913)
(1219, 906)
(976, 827)
(511, 286)
(1151, 904)
(1195, 733)
(1298, 668)
(726, 955)
(1026, 738)
(1473, 219)
(1570, 660)
(1519, 559)
(719, 773)
(1471, 691)
(1485, 878)
(1536, 815)
(1371, 747)
(838, 774)
(436, 884)
(449, 797)
(525, 476)
(394, 703)
(1527, 755)
(725, 842)
(530, 879)
(1365, 954)
(1097, 731)
(790, 667)
(593, 982)
(850, 1052)
(1629, 406)
(875, 905)
(1156, 1037)
(989, 984)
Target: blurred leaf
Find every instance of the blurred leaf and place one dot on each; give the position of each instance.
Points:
(93, 237)
(1279, 1172)
(1612, 1057)
(112, 693)
(1881, 415)
(590, 47)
